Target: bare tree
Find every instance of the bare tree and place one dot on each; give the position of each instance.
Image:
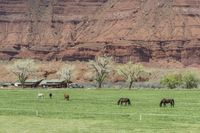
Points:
(131, 72)
(66, 73)
(23, 69)
(49, 68)
(101, 67)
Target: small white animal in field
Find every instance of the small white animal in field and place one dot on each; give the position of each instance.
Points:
(40, 95)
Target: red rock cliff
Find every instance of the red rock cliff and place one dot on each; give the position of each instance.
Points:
(137, 30)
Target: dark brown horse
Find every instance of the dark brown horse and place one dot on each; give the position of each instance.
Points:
(66, 97)
(50, 95)
(124, 101)
(167, 101)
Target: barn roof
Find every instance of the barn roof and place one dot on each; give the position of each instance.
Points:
(52, 81)
(32, 80)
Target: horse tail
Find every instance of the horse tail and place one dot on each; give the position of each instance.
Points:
(161, 102)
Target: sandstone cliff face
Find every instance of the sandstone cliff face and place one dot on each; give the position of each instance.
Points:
(137, 30)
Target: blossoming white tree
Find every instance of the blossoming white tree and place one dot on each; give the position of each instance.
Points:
(66, 73)
(101, 67)
(132, 72)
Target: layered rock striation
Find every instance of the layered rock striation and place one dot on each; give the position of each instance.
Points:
(136, 30)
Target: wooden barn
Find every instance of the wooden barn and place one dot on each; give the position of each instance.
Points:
(32, 83)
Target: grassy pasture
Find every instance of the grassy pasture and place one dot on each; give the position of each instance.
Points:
(96, 111)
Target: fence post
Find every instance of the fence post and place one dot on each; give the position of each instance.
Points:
(140, 117)
(36, 113)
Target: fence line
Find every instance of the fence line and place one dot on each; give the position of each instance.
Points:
(28, 109)
(36, 112)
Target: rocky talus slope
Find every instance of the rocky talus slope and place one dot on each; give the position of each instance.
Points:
(137, 30)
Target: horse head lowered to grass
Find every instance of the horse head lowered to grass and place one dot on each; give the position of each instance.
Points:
(124, 101)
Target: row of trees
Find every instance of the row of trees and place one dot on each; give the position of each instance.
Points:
(101, 67)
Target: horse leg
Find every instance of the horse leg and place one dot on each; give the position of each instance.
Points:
(118, 102)
(161, 103)
(172, 104)
(164, 104)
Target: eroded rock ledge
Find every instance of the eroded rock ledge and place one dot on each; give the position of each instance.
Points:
(135, 30)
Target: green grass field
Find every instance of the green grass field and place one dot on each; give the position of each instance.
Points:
(96, 111)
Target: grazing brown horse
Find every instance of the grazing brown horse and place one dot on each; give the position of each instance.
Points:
(124, 101)
(66, 97)
(167, 101)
